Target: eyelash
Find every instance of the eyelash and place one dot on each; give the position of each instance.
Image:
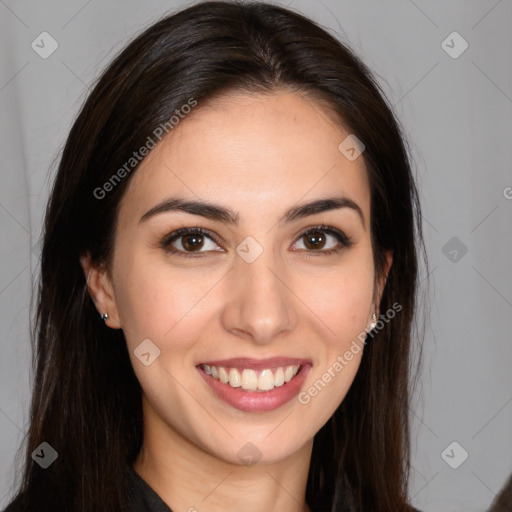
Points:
(165, 243)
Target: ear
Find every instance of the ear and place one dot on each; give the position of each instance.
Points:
(382, 282)
(100, 289)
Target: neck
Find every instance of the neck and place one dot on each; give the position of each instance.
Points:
(188, 478)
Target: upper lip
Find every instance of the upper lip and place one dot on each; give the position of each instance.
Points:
(257, 364)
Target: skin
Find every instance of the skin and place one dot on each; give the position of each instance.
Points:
(257, 155)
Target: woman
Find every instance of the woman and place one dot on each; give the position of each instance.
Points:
(235, 202)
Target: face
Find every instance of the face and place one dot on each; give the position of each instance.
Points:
(250, 298)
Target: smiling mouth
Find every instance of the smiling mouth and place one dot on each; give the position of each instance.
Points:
(250, 380)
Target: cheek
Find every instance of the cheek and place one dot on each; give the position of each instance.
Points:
(169, 306)
(157, 302)
(149, 301)
(342, 300)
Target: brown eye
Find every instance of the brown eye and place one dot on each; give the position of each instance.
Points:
(315, 240)
(192, 242)
(189, 242)
(323, 240)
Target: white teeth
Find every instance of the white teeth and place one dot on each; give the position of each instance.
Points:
(235, 380)
(279, 377)
(266, 380)
(223, 375)
(288, 373)
(250, 380)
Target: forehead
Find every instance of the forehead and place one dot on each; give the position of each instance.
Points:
(255, 153)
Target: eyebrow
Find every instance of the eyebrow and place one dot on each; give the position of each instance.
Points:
(227, 216)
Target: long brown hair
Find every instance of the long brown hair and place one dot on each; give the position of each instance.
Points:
(86, 400)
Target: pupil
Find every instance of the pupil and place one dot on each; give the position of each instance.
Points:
(316, 239)
(197, 243)
(192, 242)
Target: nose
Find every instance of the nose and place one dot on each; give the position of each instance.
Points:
(260, 305)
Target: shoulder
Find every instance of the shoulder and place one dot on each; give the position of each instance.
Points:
(141, 497)
(13, 506)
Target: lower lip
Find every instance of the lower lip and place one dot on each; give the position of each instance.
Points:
(257, 401)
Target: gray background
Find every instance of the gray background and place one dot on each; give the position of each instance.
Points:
(458, 116)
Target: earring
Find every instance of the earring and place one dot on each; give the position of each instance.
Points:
(374, 322)
(104, 317)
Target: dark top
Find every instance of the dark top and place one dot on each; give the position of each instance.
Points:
(142, 497)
